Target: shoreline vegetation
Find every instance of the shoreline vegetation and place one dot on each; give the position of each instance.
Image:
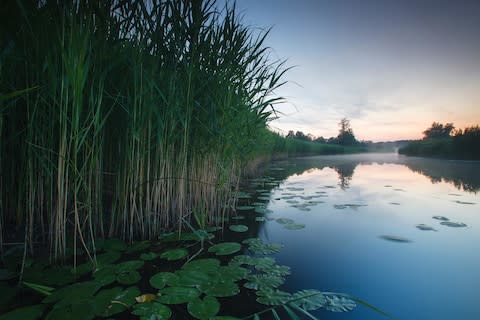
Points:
(446, 142)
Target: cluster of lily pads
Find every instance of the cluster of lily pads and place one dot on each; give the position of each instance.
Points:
(196, 286)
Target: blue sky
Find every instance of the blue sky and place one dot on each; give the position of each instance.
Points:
(391, 67)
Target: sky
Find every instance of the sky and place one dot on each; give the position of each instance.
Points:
(392, 67)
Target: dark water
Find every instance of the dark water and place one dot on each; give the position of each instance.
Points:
(368, 232)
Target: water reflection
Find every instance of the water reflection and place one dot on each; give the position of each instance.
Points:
(461, 174)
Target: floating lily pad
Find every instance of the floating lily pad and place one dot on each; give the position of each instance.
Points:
(463, 202)
(152, 311)
(395, 203)
(25, 313)
(308, 299)
(259, 247)
(395, 238)
(138, 246)
(238, 228)
(424, 227)
(336, 303)
(245, 208)
(161, 279)
(129, 277)
(174, 254)
(263, 198)
(263, 281)
(243, 195)
(441, 218)
(340, 206)
(128, 266)
(453, 224)
(260, 219)
(203, 309)
(221, 289)
(225, 248)
(148, 256)
(81, 310)
(285, 221)
(273, 297)
(177, 295)
(112, 245)
(238, 217)
(294, 226)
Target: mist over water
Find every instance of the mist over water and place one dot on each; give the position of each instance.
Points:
(400, 233)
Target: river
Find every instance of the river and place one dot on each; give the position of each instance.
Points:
(400, 233)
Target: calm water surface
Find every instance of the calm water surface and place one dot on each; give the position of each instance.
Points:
(347, 203)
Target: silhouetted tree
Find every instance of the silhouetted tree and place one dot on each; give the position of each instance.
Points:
(438, 130)
(345, 135)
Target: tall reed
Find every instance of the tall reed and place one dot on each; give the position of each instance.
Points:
(139, 115)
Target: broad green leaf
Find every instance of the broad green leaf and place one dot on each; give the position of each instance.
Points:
(205, 265)
(203, 309)
(174, 254)
(285, 221)
(128, 266)
(129, 277)
(225, 248)
(160, 280)
(25, 313)
(177, 295)
(238, 228)
(273, 297)
(308, 299)
(138, 246)
(221, 289)
(294, 226)
(152, 311)
(148, 256)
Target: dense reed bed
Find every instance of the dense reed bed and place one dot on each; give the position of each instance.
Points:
(125, 117)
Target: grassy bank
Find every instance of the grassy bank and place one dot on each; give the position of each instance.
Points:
(125, 119)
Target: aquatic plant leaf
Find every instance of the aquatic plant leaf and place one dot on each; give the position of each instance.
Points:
(220, 288)
(337, 303)
(128, 266)
(103, 299)
(152, 311)
(129, 277)
(260, 219)
(453, 224)
(285, 221)
(122, 301)
(148, 256)
(105, 274)
(73, 293)
(238, 217)
(232, 273)
(177, 295)
(203, 309)
(25, 313)
(308, 299)
(273, 269)
(82, 310)
(146, 297)
(259, 247)
(225, 248)
(263, 198)
(263, 282)
(294, 226)
(243, 195)
(395, 238)
(441, 218)
(463, 202)
(174, 254)
(138, 246)
(160, 280)
(245, 208)
(238, 228)
(273, 297)
(424, 227)
(190, 278)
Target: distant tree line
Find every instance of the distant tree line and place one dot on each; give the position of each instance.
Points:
(345, 136)
(446, 141)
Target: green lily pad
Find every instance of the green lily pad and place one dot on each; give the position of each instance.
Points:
(152, 311)
(308, 299)
(203, 309)
(71, 294)
(112, 245)
(441, 218)
(81, 310)
(190, 278)
(294, 226)
(272, 297)
(232, 273)
(128, 266)
(160, 280)
(103, 301)
(205, 265)
(453, 224)
(148, 256)
(177, 295)
(238, 228)
(220, 288)
(395, 238)
(129, 277)
(259, 247)
(260, 219)
(25, 313)
(225, 248)
(138, 246)
(245, 208)
(263, 281)
(285, 221)
(174, 254)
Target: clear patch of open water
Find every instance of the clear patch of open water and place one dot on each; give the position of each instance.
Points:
(375, 227)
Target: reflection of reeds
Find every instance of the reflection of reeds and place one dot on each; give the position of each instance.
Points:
(139, 114)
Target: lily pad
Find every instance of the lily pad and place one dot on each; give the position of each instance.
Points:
(205, 265)
(263, 281)
(453, 224)
(25, 313)
(336, 303)
(138, 246)
(308, 299)
(424, 227)
(260, 219)
(225, 248)
(174, 254)
(128, 266)
(245, 208)
(395, 238)
(463, 202)
(294, 226)
(148, 256)
(221, 289)
(129, 277)
(178, 295)
(112, 245)
(203, 309)
(259, 247)
(160, 280)
(238, 228)
(152, 311)
(285, 221)
(441, 218)
(273, 297)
